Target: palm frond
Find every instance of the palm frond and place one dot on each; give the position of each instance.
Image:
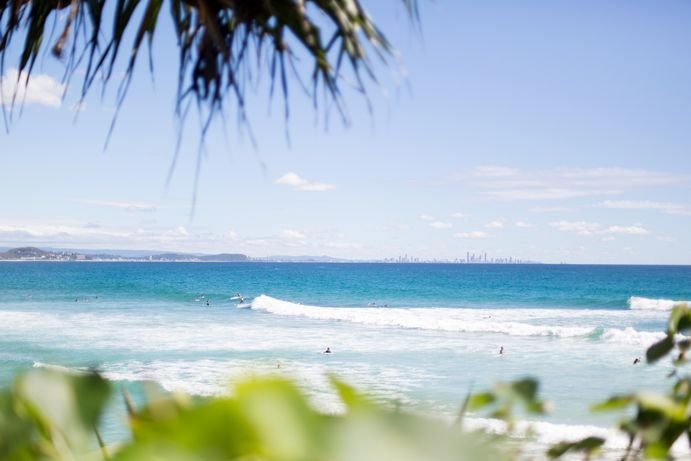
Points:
(221, 43)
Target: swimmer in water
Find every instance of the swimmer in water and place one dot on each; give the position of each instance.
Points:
(207, 302)
(327, 351)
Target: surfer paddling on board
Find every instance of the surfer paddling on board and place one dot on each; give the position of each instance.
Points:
(239, 298)
(327, 351)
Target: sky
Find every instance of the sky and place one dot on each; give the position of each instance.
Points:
(540, 130)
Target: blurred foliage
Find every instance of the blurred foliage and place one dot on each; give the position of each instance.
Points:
(504, 396)
(659, 420)
(50, 415)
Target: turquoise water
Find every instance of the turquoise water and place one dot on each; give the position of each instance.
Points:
(416, 335)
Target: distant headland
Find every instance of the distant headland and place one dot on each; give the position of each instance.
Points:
(57, 254)
(38, 254)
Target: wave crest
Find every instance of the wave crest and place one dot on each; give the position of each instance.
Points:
(649, 304)
(513, 322)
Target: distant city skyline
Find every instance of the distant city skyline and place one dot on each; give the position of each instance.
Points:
(539, 131)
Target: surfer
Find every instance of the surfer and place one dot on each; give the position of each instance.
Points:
(501, 350)
(207, 302)
(327, 351)
(636, 360)
(238, 297)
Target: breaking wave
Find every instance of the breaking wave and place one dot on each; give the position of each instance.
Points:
(514, 322)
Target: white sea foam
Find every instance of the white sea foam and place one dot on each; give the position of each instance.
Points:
(209, 377)
(545, 434)
(631, 336)
(640, 303)
(513, 322)
(60, 368)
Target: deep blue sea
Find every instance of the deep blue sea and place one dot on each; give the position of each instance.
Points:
(415, 335)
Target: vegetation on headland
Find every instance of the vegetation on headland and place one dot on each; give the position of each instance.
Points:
(48, 415)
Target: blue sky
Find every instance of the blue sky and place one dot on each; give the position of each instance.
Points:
(551, 131)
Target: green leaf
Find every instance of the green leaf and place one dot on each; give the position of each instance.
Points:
(481, 400)
(526, 389)
(92, 392)
(349, 396)
(659, 349)
(613, 403)
(662, 404)
(679, 319)
(587, 445)
(656, 450)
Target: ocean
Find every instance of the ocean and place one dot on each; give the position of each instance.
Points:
(417, 336)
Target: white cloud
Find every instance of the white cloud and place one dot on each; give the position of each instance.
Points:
(459, 215)
(181, 230)
(291, 234)
(664, 207)
(440, 225)
(426, 217)
(81, 235)
(504, 183)
(523, 225)
(300, 184)
(495, 224)
(127, 206)
(551, 209)
(41, 89)
(472, 235)
(579, 227)
(493, 171)
(593, 228)
(630, 230)
(547, 193)
(619, 177)
(173, 238)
